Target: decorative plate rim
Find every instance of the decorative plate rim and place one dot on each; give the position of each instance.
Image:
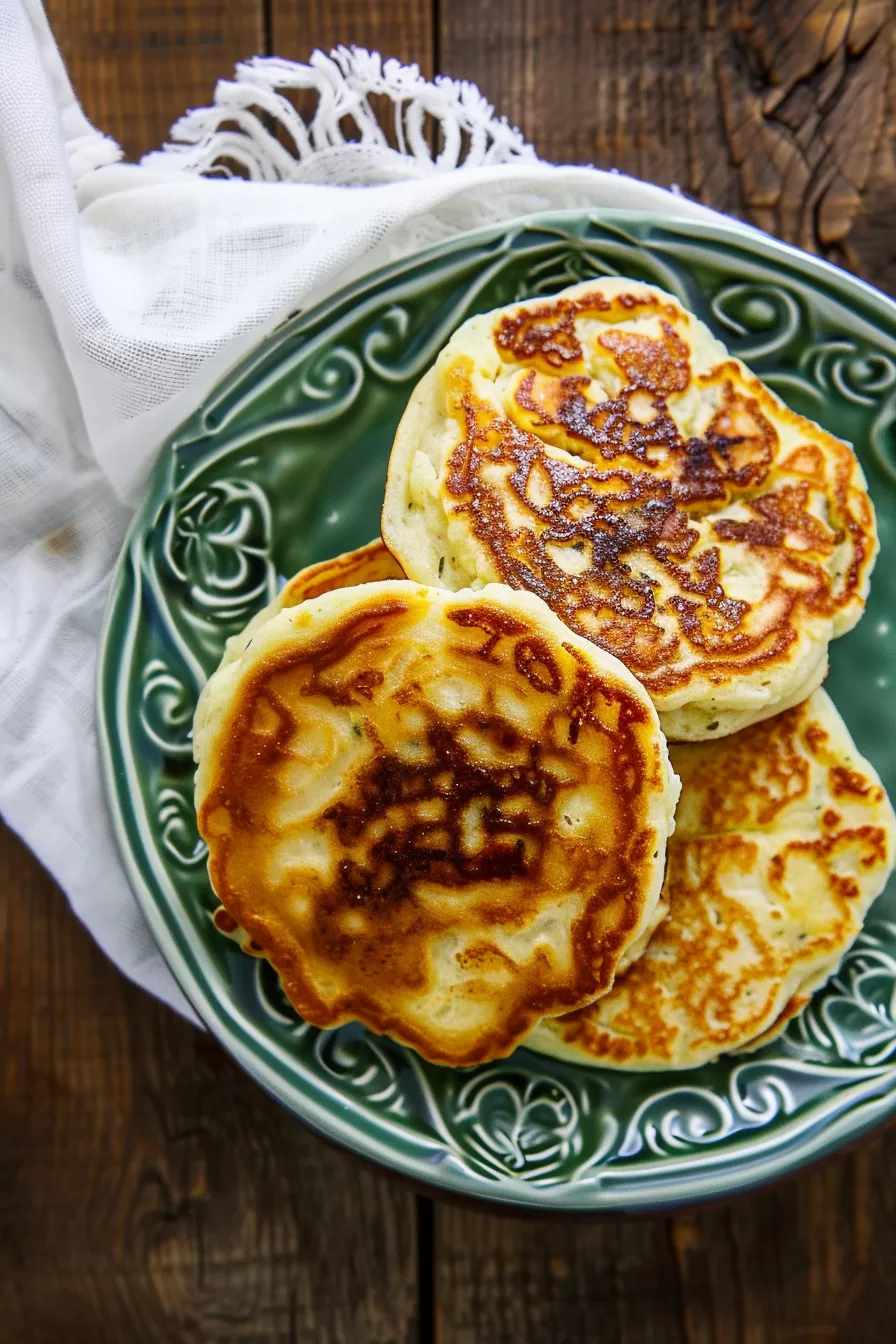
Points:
(861, 1106)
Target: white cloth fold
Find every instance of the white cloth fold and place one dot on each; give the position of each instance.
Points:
(126, 291)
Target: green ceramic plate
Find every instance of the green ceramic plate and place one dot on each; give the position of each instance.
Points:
(285, 464)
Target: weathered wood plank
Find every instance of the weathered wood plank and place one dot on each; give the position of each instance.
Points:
(137, 65)
(801, 1260)
(401, 28)
(153, 1192)
(505, 1280)
(150, 1191)
(781, 113)
(808, 1259)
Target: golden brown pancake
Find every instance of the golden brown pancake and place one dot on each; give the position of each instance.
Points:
(603, 450)
(784, 836)
(442, 815)
(367, 564)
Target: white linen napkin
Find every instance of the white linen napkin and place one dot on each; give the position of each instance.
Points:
(126, 291)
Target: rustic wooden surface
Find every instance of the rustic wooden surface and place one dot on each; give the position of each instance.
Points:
(148, 1191)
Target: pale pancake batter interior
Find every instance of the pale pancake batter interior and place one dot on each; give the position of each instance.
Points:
(443, 815)
(784, 836)
(602, 450)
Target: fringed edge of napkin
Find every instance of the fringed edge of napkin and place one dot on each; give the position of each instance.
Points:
(254, 130)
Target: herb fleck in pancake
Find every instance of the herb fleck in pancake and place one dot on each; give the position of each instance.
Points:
(784, 836)
(443, 815)
(602, 450)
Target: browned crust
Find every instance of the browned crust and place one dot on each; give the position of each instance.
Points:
(366, 564)
(630, 489)
(705, 925)
(732, 792)
(521, 865)
(544, 334)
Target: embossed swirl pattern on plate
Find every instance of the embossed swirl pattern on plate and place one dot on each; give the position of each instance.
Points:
(213, 543)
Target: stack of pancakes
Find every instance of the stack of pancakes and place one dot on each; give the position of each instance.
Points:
(434, 776)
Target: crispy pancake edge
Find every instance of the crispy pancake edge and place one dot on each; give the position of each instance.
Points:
(211, 727)
(709, 706)
(795, 988)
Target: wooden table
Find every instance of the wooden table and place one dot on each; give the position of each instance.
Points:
(149, 1191)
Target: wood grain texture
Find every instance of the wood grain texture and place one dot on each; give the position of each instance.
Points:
(778, 111)
(151, 1193)
(807, 1260)
(148, 1191)
(137, 65)
(400, 28)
